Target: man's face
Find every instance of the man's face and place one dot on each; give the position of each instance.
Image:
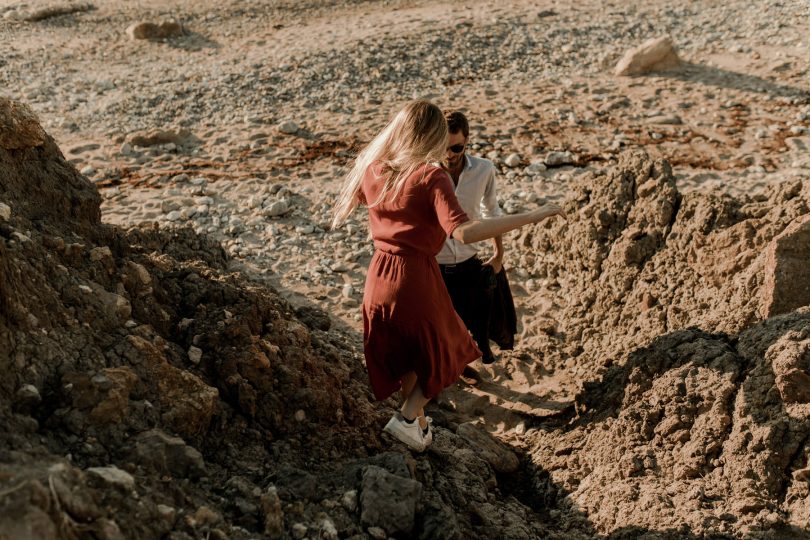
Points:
(455, 149)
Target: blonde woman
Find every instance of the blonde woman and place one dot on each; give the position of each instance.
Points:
(413, 339)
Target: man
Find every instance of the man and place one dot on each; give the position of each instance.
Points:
(478, 289)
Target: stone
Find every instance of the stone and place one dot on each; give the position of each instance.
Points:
(113, 476)
(174, 215)
(27, 396)
(512, 160)
(288, 128)
(657, 54)
(273, 514)
(349, 500)
(161, 136)
(535, 168)
(5, 212)
(388, 501)
(557, 159)
(194, 354)
(164, 454)
(299, 531)
(277, 208)
(787, 270)
(149, 30)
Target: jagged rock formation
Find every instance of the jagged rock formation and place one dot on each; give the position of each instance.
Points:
(700, 424)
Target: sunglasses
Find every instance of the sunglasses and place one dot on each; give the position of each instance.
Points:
(456, 148)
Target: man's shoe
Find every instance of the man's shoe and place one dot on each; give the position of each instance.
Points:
(409, 433)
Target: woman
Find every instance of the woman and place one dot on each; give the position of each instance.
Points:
(412, 337)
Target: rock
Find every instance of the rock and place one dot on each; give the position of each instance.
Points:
(498, 456)
(174, 215)
(113, 476)
(535, 168)
(19, 127)
(194, 354)
(349, 500)
(377, 533)
(347, 291)
(665, 119)
(557, 159)
(388, 501)
(288, 128)
(89, 170)
(657, 54)
(273, 514)
(787, 270)
(148, 30)
(512, 160)
(5, 212)
(277, 208)
(162, 136)
(164, 454)
(27, 396)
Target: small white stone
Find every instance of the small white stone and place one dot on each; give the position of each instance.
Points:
(126, 149)
(512, 160)
(113, 476)
(288, 127)
(194, 354)
(85, 289)
(300, 415)
(5, 212)
(347, 291)
(174, 215)
(88, 170)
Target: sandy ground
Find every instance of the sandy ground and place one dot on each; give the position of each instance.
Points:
(275, 96)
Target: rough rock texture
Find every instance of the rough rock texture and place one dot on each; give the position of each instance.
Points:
(787, 274)
(657, 54)
(700, 422)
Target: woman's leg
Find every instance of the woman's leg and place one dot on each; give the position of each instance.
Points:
(408, 384)
(414, 405)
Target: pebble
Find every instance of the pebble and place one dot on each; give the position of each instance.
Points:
(194, 354)
(174, 215)
(555, 159)
(5, 212)
(347, 291)
(88, 170)
(288, 128)
(513, 160)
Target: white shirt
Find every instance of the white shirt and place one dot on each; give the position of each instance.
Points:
(477, 196)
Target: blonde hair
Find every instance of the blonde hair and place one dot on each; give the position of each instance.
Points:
(417, 135)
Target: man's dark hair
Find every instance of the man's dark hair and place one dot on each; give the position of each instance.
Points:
(456, 121)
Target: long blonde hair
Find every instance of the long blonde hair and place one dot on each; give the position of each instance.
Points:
(417, 135)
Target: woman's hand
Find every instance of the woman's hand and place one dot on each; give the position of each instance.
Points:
(548, 210)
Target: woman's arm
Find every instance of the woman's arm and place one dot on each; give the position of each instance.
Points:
(475, 231)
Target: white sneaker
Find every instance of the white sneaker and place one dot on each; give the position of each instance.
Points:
(429, 435)
(410, 434)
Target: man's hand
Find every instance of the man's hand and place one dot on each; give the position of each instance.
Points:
(496, 262)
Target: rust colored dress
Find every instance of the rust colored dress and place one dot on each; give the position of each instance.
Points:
(409, 323)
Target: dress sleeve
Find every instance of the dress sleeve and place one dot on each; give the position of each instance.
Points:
(443, 196)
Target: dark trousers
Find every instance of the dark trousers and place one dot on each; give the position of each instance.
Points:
(483, 301)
